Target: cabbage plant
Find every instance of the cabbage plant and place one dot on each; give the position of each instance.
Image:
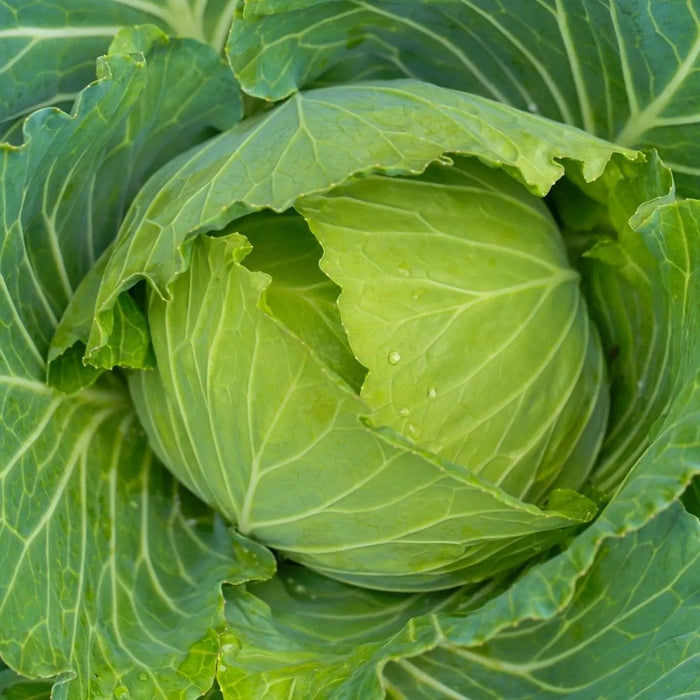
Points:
(349, 350)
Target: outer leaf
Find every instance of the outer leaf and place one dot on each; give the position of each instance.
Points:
(628, 630)
(109, 574)
(188, 93)
(307, 145)
(45, 187)
(672, 235)
(303, 635)
(623, 70)
(108, 580)
(48, 47)
(286, 456)
(631, 303)
(636, 640)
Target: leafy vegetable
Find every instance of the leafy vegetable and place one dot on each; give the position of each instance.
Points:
(390, 387)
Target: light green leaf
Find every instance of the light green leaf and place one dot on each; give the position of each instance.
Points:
(309, 144)
(459, 299)
(286, 456)
(48, 48)
(110, 573)
(300, 295)
(624, 71)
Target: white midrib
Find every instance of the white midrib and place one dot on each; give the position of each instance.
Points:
(183, 18)
(433, 683)
(59, 32)
(644, 120)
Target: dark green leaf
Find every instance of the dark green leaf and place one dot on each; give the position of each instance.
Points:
(623, 70)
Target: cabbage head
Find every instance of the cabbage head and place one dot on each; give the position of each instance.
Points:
(405, 398)
(391, 366)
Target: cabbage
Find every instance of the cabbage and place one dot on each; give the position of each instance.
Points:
(379, 379)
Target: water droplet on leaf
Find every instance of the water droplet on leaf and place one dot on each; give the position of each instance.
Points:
(403, 412)
(432, 392)
(394, 357)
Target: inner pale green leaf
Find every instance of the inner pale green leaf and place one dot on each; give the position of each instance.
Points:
(458, 298)
(300, 295)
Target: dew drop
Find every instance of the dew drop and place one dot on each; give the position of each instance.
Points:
(418, 293)
(403, 412)
(412, 430)
(394, 357)
(227, 648)
(531, 107)
(403, 270)
(432, 392)
(300, 588)
(143, 677)
(223, 667)
(121, 692)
